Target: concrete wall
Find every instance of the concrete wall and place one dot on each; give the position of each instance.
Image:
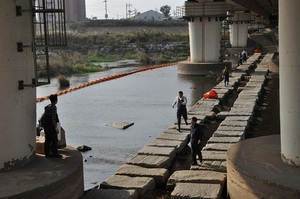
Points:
(18, 107)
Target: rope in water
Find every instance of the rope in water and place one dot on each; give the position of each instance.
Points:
(104, 79)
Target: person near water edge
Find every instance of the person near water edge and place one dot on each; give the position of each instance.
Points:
(181, 102)
(51, 129)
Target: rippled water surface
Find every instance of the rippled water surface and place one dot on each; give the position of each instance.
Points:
(143, 98)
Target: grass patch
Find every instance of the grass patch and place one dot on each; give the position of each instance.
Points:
(86, 69)
(130, 55)
(95, 59)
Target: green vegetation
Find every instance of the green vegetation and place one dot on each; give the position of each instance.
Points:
(166, 11)
(95, 59)
(86, 48)
(86, 69)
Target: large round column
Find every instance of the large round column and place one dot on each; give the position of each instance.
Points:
(18, 107)
(289, 50)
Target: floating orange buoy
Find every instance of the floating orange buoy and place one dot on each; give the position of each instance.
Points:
(106, 79)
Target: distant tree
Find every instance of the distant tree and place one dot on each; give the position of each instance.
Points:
(165, 10)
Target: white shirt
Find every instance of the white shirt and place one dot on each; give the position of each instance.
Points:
(178, 98)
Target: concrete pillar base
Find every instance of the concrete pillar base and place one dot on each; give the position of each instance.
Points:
(255, 170)
(189, 68)
(46, 178)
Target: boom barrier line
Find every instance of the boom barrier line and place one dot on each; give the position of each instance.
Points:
(104, 79)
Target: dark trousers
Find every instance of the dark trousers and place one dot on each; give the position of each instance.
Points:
(196, 150)
(51, 143)
(226, 79)
(181, 111)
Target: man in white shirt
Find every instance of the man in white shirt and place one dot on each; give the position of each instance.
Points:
(181, 102)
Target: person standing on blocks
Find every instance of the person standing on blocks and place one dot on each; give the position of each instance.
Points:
(244, 56)
(51, 128)
(225, 73)
(181, 102)
(196, 137)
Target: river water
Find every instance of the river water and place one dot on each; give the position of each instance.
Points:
(143, 98)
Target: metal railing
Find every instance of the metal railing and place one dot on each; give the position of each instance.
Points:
(49, 30)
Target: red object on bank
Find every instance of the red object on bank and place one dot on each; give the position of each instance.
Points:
(212, 94)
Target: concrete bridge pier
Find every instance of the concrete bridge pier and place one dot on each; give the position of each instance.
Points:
(239, 29)
(205, 20)
(289, 43)
(18, 106)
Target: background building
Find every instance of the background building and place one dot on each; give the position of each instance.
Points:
(150, 15)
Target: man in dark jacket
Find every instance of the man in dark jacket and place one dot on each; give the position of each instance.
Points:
(196, 139)
(51, 129)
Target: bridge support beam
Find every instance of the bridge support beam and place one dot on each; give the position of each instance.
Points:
(289, 43)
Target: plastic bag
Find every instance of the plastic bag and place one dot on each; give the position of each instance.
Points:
(212, 94)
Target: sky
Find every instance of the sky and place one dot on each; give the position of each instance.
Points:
(116, 9)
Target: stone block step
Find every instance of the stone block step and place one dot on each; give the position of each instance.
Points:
(173, 130)
(158, 151)
(224, 140)
(196, 176)
(231, 128)
(214, 155)
(173, 136)
(246, 110)
(223, 115)
(229, 134)
(111, 193)
(217, 147)
(199, 114)
(251, 102)
(185, 129)
(244, 106)
(197, 190)
(160, 175)
(140, 184)
(178, 145)
(151, 161)
(211, 165)
(234, 123)
(237, 118)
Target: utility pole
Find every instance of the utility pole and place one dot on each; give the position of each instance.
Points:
(106, 15)
(128, 11)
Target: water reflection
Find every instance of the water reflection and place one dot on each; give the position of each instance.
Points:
(199, 85)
